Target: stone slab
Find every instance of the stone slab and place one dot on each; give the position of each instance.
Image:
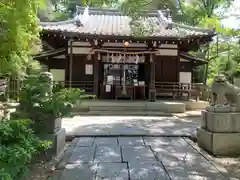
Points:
(156, 141)
(177, 150)
(84, 171)
(108, 154)
(85, 141)
(137, 153)
(199, 171)
(225, 144)
(223, 122)
(184, 161)
(105, 141)
(130, 141)
(147, 171)
(112, 171)
(82, 154)
(181, 173)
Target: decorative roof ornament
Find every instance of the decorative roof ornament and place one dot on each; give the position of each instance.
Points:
(81, 19)
(85, 15)
(165, 21)
(77, 18)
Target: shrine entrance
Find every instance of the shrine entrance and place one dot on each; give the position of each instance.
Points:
(121, 77)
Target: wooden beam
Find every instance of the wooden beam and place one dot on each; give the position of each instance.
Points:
(152, 89)
(96, 73)
(70, 64)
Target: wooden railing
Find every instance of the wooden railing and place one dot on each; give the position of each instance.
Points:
(177, 90)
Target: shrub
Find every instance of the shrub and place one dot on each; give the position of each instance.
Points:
(18, 146)
(50, 100)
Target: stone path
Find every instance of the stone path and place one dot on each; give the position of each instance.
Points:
(130, 125)
(134, 158)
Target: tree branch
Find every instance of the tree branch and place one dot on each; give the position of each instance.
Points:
(180, 7)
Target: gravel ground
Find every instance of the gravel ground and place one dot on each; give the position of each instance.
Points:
(44, 168)
(231, 164)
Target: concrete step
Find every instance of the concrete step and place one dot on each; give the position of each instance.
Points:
(176, 108)
(123, 113)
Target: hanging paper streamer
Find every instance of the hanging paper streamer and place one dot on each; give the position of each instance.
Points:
(151, 60)
(125, 58)
(112, 57)
(99, 56)
(107, 60)
(137, 59)
(119, 58)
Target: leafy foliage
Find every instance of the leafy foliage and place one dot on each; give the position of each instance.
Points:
(56, 104)
(18, 146)
(19, 30)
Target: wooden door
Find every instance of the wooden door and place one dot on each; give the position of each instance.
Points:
(166, 69)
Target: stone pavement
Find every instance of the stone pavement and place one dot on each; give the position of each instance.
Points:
(134, 158)
(130, 125)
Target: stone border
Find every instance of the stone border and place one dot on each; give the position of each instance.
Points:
(208, 157)
(72, 137)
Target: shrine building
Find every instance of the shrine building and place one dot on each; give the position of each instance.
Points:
(97, 51)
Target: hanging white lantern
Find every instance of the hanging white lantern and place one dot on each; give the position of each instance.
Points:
(99, 56)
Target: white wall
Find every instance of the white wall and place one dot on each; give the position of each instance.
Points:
(58, 74)
(80, 50)
(185, 77)
(167, 52)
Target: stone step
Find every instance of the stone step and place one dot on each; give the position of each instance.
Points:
(120, 106)
(120, 109)
(123, 113)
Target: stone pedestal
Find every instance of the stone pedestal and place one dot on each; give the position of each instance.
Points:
(50, 129)
(152, 95)
(219, 133)
(58, 141)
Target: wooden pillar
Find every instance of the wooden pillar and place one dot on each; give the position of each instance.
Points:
(70, 64)
(152, 89)
(178, 64)
(96, 74)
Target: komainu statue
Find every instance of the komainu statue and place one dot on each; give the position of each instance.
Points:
(225, 94)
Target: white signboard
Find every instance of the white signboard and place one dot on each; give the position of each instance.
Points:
(89, 69)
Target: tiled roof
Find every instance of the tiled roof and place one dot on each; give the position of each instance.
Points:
(52, 52)
(193, 58)
(106, 22)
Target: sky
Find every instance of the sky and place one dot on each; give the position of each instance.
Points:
(233, 20)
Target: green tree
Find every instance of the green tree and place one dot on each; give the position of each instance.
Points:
(19, 29)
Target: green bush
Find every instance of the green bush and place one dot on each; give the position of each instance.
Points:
(18, 146)
(54, 101)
